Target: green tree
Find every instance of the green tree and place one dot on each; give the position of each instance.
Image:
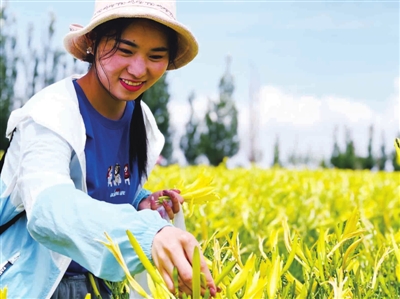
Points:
(36, 68)
(190, 141)
(396, 167)
(276, 161)
(293, 158)
(45, 65)
(369, 161)
(220, 138)
(157, 98)
(337, 156)
(350, 158)
(53, 64)
(381, 162)
(8, 69)
(322, 163)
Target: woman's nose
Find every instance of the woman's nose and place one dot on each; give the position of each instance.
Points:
(137, 67)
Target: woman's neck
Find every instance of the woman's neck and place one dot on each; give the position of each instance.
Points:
(100, 98)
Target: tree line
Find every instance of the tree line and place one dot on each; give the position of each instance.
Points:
(345, 157)
(209, 138)
(24, 68)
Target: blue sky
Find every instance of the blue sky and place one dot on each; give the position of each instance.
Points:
(317, 64)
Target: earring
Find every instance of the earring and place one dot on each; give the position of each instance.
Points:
(89, 50)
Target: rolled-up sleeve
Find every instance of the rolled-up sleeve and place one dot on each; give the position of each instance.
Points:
(143, 193)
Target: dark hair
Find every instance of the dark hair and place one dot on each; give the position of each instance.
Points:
(112, 30)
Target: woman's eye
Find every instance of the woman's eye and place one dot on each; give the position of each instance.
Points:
(156, 57)
(125, 51)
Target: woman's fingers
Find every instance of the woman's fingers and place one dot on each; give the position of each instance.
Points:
(204, 269)
(154, 203)
(176, 190)
(186, 279)
(169, 210)
(185, 269)
(174, 247)
(166, 208)
(209, 280)
(176, 199)
(167, 276)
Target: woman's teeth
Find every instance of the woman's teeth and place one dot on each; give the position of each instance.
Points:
(130, 83)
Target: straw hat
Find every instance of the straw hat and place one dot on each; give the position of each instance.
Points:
(161, 11)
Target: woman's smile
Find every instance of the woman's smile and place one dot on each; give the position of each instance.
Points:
(132, 86)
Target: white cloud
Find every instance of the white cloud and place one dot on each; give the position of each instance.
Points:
(305, 123)
(305, 110)
(350, 111)
(276, 106)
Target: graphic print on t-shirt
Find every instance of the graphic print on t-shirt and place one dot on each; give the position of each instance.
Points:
(114, 179)
(109, 176)
(117, 175)
(127, 174)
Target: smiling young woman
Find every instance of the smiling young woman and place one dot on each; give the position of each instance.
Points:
(128, 62)
(81, 151)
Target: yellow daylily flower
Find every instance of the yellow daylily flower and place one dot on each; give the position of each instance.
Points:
(152, 271)
(114, 248)
(199, 192)
(397, 147)
(3, 293)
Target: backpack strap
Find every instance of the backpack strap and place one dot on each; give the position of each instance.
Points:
(5, 226)
(5, 151)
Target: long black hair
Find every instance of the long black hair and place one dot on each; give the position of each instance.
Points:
(112, 30)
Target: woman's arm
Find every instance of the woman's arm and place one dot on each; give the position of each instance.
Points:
(67, 220)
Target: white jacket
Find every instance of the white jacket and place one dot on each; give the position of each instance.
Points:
(45, 174)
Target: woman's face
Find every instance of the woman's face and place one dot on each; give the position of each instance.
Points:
(139, 61)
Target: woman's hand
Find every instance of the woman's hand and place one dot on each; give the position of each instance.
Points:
(167, 208)
(173, 247)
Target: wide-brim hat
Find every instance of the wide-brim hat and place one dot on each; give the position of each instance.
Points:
(161, 11)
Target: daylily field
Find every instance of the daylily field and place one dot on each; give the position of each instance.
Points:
(276, 233)
(297, 233)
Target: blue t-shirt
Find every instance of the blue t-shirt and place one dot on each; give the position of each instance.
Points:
(108, 175)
